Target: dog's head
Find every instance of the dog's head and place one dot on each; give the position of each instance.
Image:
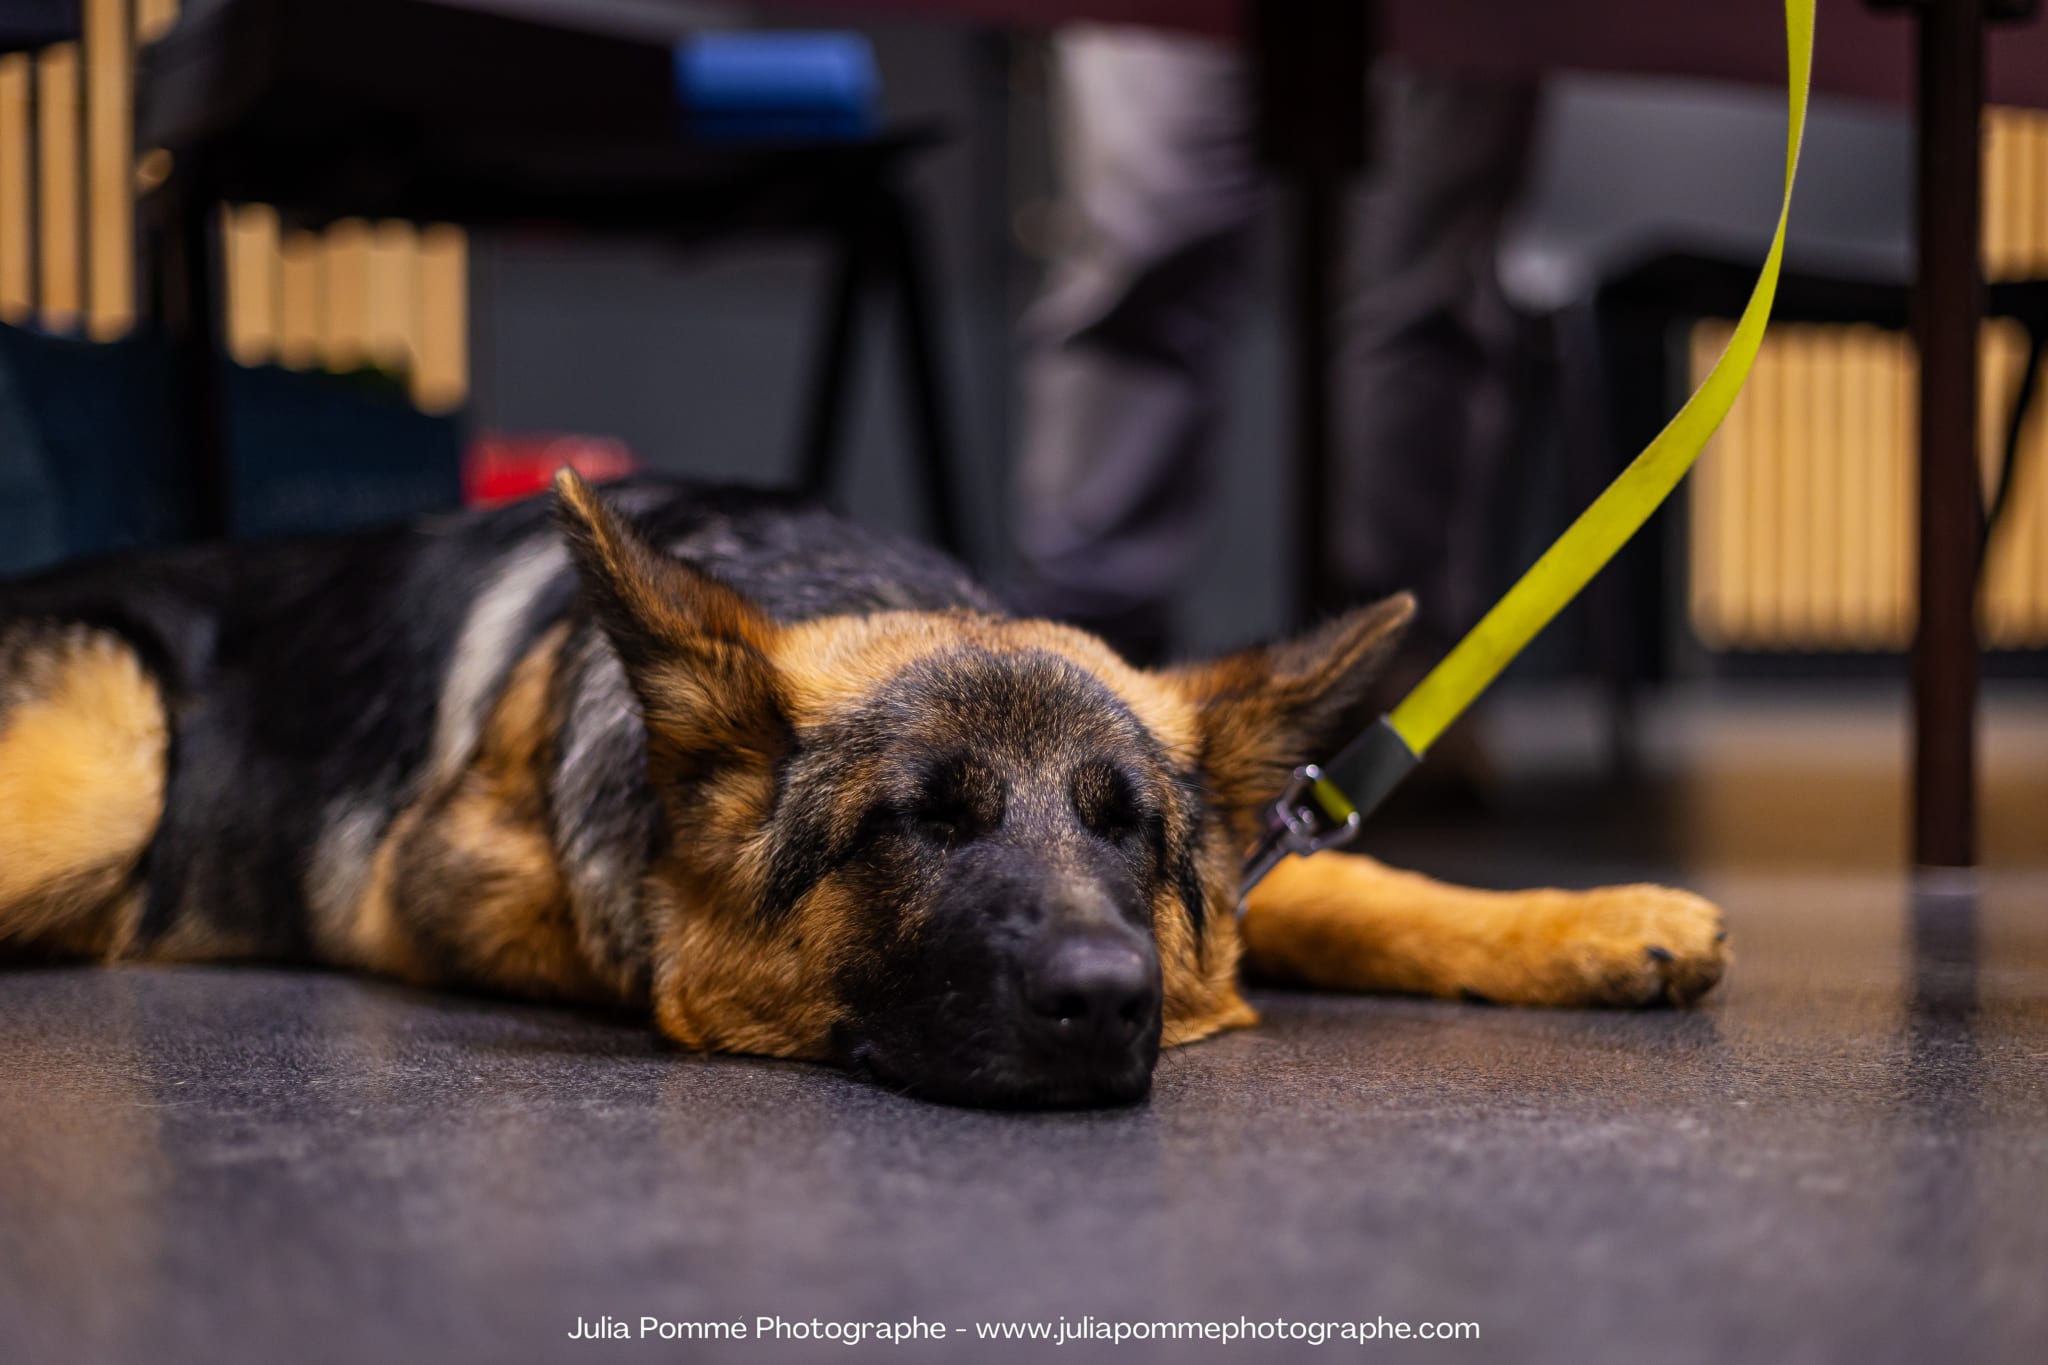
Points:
(981, 859)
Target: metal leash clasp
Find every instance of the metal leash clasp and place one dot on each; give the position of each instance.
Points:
(1296, 826)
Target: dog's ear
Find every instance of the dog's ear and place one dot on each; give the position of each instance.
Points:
(696, 652)
(1267, 710)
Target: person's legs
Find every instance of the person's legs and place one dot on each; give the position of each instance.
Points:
(1126, 349)
(1423, 339)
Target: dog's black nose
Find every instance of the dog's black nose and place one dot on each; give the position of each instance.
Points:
(1093, 991)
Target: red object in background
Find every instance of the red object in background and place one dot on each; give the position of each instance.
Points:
(502, 467)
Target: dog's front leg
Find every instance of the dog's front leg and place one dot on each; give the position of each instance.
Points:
(1344, 922)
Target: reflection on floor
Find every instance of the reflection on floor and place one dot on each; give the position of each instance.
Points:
(1843, 1157)
(1800, 782)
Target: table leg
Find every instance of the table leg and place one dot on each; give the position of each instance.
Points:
(1315, 258)
(832, 369)
(1948, 308)
(1310, 60)
(187, 285)
(922, 361)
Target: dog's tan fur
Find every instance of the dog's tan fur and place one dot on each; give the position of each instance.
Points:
(82, 743)
(1344, 922)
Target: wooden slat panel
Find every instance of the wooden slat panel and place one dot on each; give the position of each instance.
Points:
(1735, 550)
(152, 17)
(2033, 532)
(249, 241)
(2013, 596)
(1905, 557)
(1860, 464)
(441, 359)
(1785, 466)
(1708, 526)
(1766, 497)
(298, 301)
(1743, 528)
(2001, 355)
(109, 117)
(1803, 511)
(1832, 475)
(2002, 234)
(386, 294)
(345, 295)
(59, 192)
(17, 290)
(2034, 203)
(393, 254)
(2029, 145)
(1802, 454)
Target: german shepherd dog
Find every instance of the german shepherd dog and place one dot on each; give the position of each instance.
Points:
(797, 789)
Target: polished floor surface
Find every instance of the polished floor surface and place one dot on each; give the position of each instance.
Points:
(1842, 1157)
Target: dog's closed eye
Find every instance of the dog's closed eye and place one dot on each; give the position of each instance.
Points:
(946, 822)
(951, 804)
(1107, 803)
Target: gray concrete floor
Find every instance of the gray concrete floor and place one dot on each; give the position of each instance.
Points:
(1842, 1157)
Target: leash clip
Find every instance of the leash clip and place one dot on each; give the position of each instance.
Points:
(1295, 826)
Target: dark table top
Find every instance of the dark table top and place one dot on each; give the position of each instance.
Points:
(1857, 52)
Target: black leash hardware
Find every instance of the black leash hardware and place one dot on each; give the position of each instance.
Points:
(1296, 826)
(1323, 807)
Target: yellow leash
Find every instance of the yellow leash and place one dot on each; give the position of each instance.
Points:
(1359, 778)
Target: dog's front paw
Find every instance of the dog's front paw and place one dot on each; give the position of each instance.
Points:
(1626, 946)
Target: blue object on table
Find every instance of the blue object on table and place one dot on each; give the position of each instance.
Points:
(777, 87)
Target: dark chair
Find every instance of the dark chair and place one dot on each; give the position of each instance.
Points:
(432, 112)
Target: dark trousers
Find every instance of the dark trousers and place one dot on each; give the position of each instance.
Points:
(1129, 345)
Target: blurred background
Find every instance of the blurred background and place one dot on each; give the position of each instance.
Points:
(272, 267)
(377, 360)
